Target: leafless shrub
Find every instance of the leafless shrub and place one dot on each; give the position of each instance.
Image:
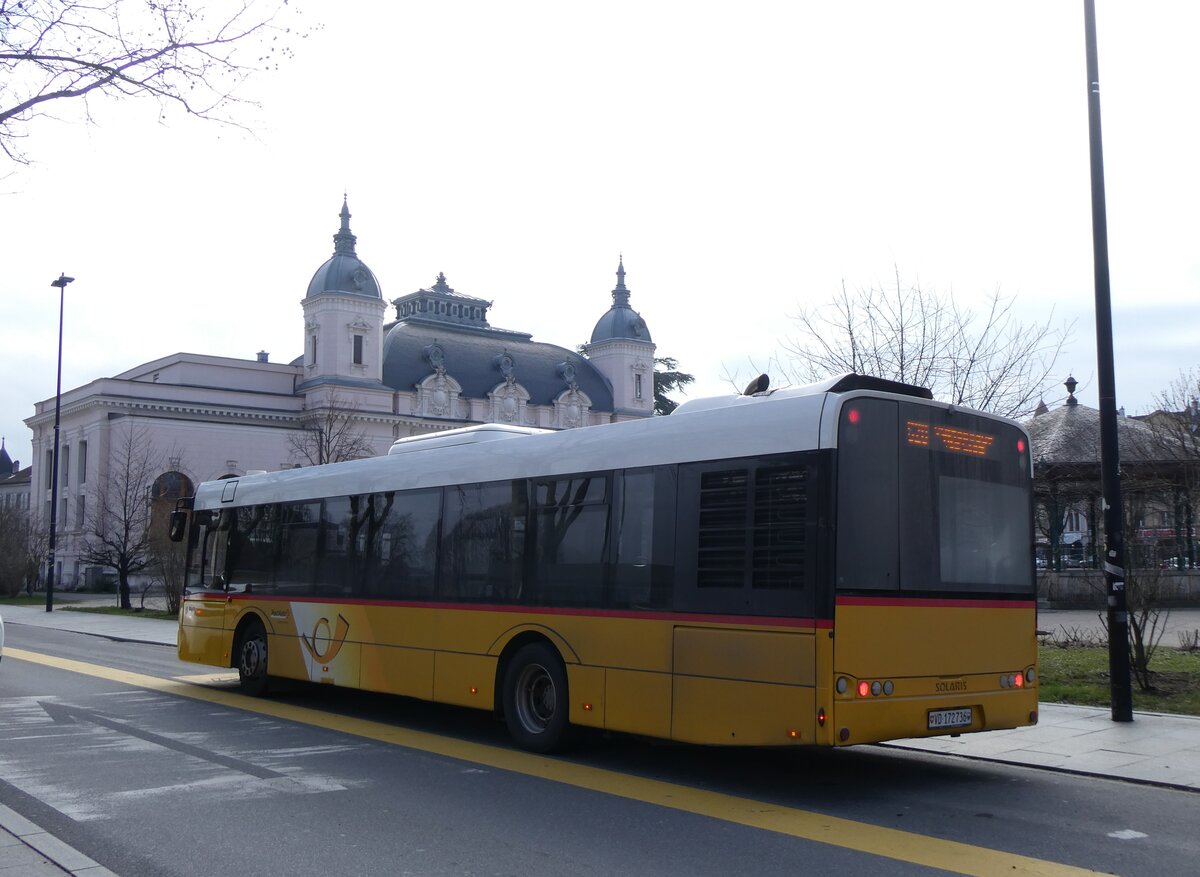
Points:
(1075, 637)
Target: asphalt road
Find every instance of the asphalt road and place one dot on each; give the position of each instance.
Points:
(147, 775)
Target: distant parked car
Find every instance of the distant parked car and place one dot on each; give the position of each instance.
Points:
(1176, 563)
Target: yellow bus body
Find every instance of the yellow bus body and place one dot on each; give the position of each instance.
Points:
(708, 680)
(907, 643)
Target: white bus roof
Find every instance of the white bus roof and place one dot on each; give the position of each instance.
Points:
(773, 422)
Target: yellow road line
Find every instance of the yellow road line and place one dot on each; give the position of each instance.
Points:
(863, 837)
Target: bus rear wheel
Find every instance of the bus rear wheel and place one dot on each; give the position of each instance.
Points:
(252, 660)
(535, 699)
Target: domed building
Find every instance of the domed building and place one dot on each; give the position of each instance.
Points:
(1157, 470)
(371, 371)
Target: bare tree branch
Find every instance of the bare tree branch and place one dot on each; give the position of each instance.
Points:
(990, 361)
(193, 57)
(330, 434)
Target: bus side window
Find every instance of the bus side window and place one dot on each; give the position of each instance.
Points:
(407, 539)
(482, 549)
(250, 548)
(633, 516)
(570, 538)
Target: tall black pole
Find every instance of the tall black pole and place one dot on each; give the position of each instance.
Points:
(61, 283)
(1110, 479)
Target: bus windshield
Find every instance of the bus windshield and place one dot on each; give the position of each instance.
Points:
(931, 500)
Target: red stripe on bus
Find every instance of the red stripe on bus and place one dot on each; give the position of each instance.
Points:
(958, 603)
(762, 620)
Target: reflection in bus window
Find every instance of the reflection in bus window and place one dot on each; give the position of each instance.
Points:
(571, 529)
(483, 544)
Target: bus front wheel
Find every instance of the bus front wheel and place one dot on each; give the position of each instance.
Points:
(252, 660)
(535, 698)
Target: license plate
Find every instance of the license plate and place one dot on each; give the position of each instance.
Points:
(939, 719)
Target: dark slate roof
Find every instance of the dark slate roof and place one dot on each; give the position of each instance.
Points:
(344, 272)
(1070, 434)
(6, 462)
(22, 476)
(474, 357)
(621, 321)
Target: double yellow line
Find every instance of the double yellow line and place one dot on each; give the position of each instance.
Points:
(862, 837)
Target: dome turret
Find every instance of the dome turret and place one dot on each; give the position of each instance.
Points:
(344, 272)
(621, 321)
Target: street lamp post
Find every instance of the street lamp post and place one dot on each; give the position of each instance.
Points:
(61, 284)
(1110, 470)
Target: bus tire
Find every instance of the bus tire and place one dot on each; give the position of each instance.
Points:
(536, 705)
(252, 659)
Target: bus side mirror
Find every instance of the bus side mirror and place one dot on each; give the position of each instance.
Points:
(178, 526)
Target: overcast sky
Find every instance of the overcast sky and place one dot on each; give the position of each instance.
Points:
(745, 158)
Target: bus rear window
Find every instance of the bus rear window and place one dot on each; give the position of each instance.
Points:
(931, 500)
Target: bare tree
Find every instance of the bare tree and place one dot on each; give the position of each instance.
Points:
(120, 513)
(23, 544)
(330, 434)
(985, 359)
(1145, 585)
(191, 56)
(167, 560)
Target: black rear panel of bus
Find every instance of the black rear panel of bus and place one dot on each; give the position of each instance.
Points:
(932, 502)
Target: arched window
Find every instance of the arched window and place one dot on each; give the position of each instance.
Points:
(171, 486)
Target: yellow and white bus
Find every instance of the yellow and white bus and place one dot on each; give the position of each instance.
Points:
(834, 564)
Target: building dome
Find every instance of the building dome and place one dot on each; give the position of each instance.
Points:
(344, 272)
(621, 321)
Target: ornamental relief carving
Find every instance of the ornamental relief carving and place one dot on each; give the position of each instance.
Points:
(438, 395)
(508, 401)
(571, 408)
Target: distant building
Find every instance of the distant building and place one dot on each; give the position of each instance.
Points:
(1159, 476)
(14, 482)
(435, 365)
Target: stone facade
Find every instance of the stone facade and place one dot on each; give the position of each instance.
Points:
(436, 365)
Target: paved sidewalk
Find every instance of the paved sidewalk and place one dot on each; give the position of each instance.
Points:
(28, 851)
(1154, 748)
(117, 627)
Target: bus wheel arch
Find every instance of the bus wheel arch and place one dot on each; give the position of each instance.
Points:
(249, 655)
(532, 693)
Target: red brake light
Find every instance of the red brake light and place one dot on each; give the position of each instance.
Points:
(1020, 446)
(852, 415)
(864, 688)
(1019, 680)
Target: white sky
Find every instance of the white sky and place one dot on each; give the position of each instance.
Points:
(745, 158)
